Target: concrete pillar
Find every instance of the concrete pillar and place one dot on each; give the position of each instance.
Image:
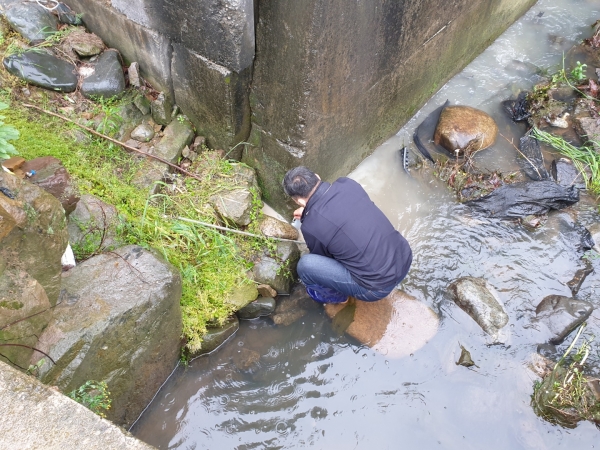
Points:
(333, 79)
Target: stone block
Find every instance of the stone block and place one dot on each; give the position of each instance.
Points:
(119, 321)
(37, 416)
(221, 30)
(213, 97)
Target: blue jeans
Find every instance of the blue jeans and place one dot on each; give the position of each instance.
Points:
(328, 281)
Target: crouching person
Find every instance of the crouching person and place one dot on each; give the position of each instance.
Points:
(354, 249)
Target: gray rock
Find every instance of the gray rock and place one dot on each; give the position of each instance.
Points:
(134, 75)
(108, 79)
(53, 419)
(272, 227)
(234, 205)
(561, 315)
(589, 130)
(33, 232)
(161, 109)
(143, 104)
(241, 295)
(25, 305)
(130, 117)
(66, 15)
(278, 272)
(43, 69)
(93, 224)
(594, 230)
(32, 21)
(262, 306)
(143, 133)
(176, 136)
(215, 336)
(473, 296)
(119, 322)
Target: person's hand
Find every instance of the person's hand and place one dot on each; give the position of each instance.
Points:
(298, 213)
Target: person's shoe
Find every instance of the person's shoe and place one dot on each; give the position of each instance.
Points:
(326, 295)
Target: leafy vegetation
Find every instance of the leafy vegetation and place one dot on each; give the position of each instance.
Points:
(93, 395)
(563, 396)
(7, 133)
(211, 263)
(585, 158)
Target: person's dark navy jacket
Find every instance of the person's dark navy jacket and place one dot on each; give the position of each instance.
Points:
(340, 221)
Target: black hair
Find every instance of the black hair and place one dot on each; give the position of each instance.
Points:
(299, 182)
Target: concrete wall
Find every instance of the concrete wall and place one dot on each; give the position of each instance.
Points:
(314, 82)
(200, 53)
(37, 416)
(333, 79)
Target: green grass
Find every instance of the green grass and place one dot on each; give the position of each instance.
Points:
(211, 264)
(585, 158)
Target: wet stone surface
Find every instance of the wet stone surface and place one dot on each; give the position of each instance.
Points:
(107, 80)
(561, 315)
(262, 306)
(43, 69)
(32, 21)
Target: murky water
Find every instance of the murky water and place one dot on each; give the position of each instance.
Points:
(312, 388)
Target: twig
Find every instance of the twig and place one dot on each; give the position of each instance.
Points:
(231, 230)
(115, 141)
(29, 347)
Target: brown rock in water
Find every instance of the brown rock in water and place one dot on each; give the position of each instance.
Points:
(272, 227)
(465, 129)
(395, 326)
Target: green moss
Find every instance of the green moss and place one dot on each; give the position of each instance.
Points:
(11, 305)
(211, 264)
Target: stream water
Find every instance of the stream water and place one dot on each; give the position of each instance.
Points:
(313, 388)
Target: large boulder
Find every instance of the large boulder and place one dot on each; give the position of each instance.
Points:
(119, 321)
(465, 129)
(473, 296)
(33, 232)
(560, 315)
(107, 80)
(24, 313)
(42, 69)
(32, 21)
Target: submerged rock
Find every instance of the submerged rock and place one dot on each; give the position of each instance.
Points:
(291, 308)
(108, 79)
(216, 336)
(465, 129)
(119, 321)
(473, 296)
(43, 69)
(526, 198)
(396, 326)
(579, 277)
(262, 306)
(31, 21)
(561, 315)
